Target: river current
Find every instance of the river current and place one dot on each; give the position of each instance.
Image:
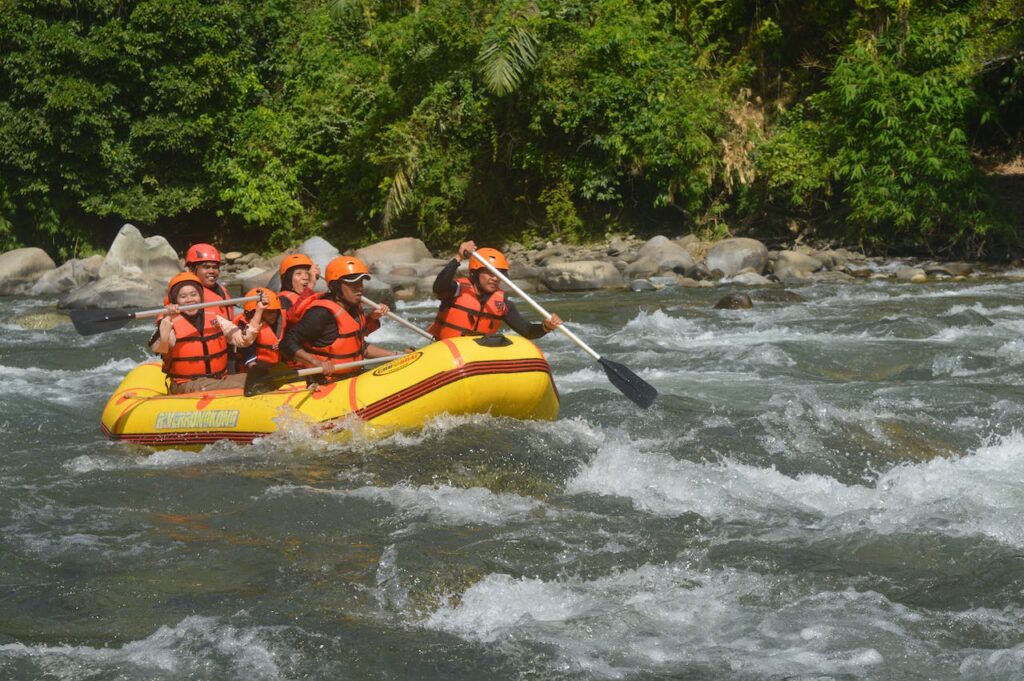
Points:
(826, 489)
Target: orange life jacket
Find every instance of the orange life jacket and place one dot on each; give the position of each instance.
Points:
(212, 296)
(195, 354)
(465, 316)
(267, 340)
(348, 346)
(290, 302)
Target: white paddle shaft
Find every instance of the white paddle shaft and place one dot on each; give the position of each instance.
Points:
(404, 322)
(194, 306)
(347, 365)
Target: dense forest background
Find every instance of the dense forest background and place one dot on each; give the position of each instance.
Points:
(256, 123)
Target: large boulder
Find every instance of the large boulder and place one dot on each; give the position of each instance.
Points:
(730, 256)
(793, 266)
(130, 252)
(72, 274)
(129, 289)
(20, 268)
(586, 275)
(385, 255)
(669, 255)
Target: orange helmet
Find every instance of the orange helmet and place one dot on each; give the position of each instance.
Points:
(294, 260)
(346, 267)
(492, 256)
(198, 253)
(273, 302)
(179, 279)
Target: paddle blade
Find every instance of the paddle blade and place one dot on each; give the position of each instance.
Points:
(263, 378)
(631, 385)
(89, 322)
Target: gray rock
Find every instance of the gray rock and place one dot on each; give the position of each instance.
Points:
(429, 266)
(586, 275)
(640, 285)
(732, 255)
(968, 318)
(834, 277)
(795, 266)
(642, 267)
(21, 268)
(669, 255)
(551, 255)
(911, 274)
(520, 270)
(384, 255)
(662, 282)
(252, 277)
(129, 289)
(527, 285)
(70, 275)
(751, 279)
(42, 321)
(734, 301)
(952, 269)
(777, 296)
(131, 253)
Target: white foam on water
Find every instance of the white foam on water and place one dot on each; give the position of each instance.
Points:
(440, 504)
(63, 386)
(662, 619)
(992, 665)
(981, 494)
(199, 647)
(157, 459)
(984, 310)
(1012, 351)
(952, 366)
(448, 505)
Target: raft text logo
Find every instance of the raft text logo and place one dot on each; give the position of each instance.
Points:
(398, 364)
(173, 420)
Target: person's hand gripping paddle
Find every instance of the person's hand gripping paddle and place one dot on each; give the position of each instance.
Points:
(628, 383)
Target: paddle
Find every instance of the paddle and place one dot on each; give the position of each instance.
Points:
(263, 378)
(89, 322)
(403, 322)
(631, 385)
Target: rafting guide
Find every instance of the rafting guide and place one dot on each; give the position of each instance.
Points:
(476, 305)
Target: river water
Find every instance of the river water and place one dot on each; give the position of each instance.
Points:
(827, 489)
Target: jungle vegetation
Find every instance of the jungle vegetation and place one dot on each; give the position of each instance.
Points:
(257, 123)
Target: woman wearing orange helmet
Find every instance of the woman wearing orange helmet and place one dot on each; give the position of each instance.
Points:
(264, 319)
(203, 260)
(194, 343)
(331, 327)
(476, 305)
(298, 277)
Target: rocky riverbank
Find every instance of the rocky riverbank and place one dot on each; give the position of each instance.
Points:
(135, 269)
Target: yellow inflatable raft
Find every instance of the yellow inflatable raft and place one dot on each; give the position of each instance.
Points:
(502, 376)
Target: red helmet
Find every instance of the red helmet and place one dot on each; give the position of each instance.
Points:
(273, 302)
(346, 267)
(198, 253)
(492, 256)
(179, 279)
(294, 260)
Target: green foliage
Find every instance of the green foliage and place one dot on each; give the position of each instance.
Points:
(895, 112)
(264, 122)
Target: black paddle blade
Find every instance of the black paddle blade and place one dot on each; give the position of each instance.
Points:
(89, 322)
(631, 385)
(263, 378)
